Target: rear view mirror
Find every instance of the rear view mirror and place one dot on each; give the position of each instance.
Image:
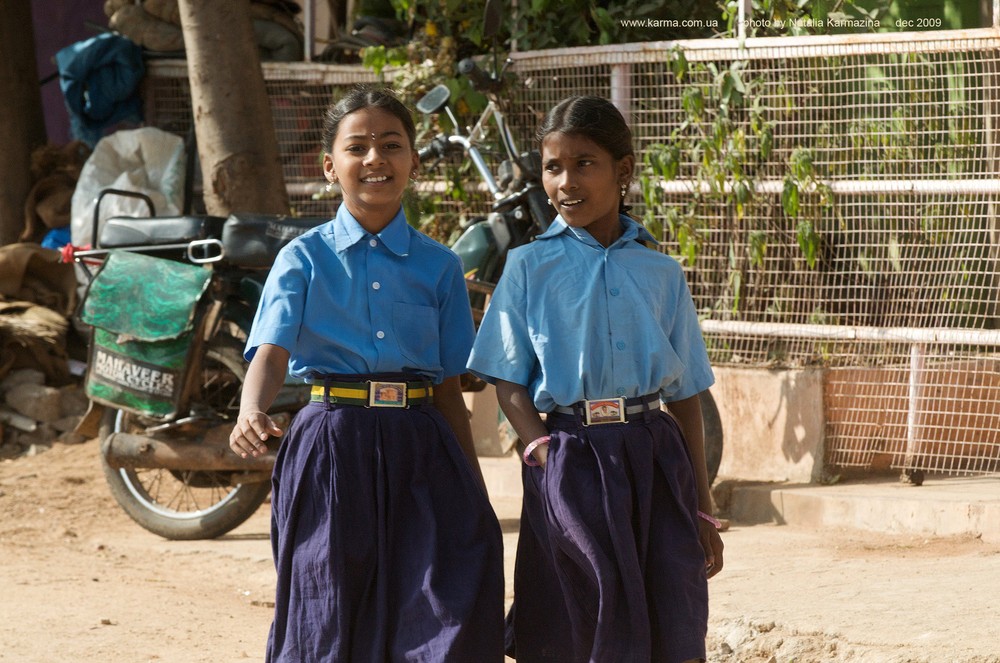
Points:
(492, 18)
(435, 100)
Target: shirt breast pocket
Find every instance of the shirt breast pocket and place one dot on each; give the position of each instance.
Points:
(416, 328)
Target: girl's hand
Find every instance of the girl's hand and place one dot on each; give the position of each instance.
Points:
(541, 454)
(251, 432)
(711, 542)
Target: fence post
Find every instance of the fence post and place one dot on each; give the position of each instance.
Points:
(621, 89)
(918, 354)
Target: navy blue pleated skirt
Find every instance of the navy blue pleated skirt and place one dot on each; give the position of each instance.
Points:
(385, 545)
(609, 566)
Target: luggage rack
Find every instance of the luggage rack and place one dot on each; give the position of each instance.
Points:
(245, 240)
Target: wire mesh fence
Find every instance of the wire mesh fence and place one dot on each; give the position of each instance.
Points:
(832, 199)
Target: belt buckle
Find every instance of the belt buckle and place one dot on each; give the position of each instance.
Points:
(604, 411)
(386, 394)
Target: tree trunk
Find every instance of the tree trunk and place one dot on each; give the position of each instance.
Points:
(237, 144)
(22, 124)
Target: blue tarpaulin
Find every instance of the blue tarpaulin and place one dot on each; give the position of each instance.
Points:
(100, 79)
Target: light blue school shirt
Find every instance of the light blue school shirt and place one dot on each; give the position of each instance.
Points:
(571, 319)
(342, 300)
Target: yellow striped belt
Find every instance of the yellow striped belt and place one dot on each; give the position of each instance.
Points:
(375, 393)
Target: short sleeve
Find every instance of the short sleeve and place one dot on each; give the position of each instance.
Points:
(503, 349)
(282, 303)
(457, 330)
(687, 341)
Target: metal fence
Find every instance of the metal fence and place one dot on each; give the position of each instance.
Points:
(885, 271)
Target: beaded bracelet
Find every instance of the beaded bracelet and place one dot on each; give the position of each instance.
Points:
(710, 519)
(528, 460)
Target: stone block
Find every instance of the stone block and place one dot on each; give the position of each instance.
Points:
(773, 423)
(35, 401)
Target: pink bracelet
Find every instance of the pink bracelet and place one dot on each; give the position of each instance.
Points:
(710, 519)
(528, 460)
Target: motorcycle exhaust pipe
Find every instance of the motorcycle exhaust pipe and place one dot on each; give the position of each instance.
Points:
(212, 453)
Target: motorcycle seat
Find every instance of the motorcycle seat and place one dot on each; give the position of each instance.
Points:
(128, 231)
(253, 240)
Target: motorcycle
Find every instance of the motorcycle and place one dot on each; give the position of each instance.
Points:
(169, 303)
(520, 208)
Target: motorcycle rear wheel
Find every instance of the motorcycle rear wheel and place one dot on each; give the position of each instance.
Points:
(188, 505)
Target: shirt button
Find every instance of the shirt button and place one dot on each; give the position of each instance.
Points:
(373, 243)
(380, 334)
(620, 345)
(376, 285)
(614, 292)
(620, 391)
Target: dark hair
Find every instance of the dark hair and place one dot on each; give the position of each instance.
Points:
(595, 118)
(366, 96)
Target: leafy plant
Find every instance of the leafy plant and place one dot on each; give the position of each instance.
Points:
(717, 149)
(800, 178)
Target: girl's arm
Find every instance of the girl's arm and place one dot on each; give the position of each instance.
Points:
(448, 400)
(264, 379)
(517, 406)
(688, 415)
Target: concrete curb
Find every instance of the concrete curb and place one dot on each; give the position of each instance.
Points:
(940, 507)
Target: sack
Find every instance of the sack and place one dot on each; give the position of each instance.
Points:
(144, 314)
(148, 160)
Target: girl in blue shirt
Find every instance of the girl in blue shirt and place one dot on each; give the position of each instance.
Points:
(385, 544)
(594, 329)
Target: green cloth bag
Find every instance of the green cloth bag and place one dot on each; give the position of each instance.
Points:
(143, 310)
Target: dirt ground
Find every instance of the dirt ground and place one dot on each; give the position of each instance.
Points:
(81, 582)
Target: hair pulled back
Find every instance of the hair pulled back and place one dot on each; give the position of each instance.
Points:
(594, 118)
(361, 97)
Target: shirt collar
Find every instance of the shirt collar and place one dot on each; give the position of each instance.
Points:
(347, 232)
(631, 230)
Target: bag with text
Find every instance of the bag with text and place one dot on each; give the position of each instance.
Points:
(144, 314)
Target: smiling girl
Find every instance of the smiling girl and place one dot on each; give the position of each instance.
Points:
(385, 545)
(595, 330)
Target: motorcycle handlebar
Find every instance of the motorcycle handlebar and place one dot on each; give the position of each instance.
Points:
(426, 153)
(480, 80)
(436, 149)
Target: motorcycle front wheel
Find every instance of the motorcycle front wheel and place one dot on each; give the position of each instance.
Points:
(188, 504)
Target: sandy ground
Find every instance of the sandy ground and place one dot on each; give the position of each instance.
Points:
(81, 582)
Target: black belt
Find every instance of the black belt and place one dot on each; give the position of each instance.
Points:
(610, 410)
(375, 393)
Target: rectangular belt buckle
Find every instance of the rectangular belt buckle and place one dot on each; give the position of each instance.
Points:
(386, 394)
(604, 411)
